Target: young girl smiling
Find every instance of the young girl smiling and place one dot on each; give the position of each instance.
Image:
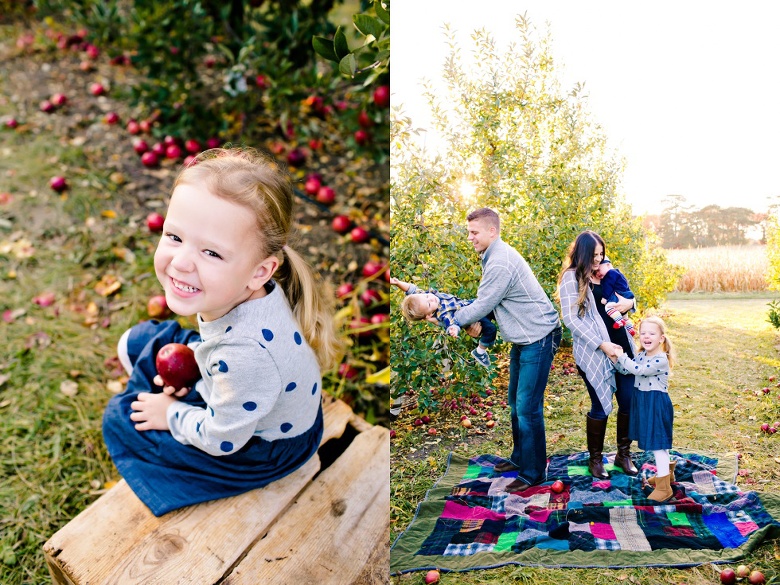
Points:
(265, 333)
(652, 414)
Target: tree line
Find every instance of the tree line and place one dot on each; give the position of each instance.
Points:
(680, 225)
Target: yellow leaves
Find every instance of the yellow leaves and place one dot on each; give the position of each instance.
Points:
(108, 285)
(108, 213)
(381, 377)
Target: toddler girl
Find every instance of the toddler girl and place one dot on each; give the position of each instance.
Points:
(265, 333)
(652, 414)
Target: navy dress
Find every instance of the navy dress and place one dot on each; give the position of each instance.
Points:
(166, 474)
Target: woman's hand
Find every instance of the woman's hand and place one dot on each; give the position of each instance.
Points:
(150, 411)
(611, 349)
(475, 329)
(624, 305)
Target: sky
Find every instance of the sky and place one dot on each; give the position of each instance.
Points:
(688, 93)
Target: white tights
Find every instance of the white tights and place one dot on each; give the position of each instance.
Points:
(661, 462)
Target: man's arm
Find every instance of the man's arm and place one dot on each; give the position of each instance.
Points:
(492, 289)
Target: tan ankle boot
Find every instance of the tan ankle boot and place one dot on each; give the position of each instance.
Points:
(672, 465)
(662, 491)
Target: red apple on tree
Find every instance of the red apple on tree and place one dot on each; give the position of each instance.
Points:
(382, 96)
(177, 366)
(364, 120)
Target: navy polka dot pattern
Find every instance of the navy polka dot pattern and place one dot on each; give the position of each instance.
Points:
(228, 329)
(290, 387)
(298, 339)
(177, 414)
(314, 390)
(197, 428)
(250, 406)
(285, 428)
(223, 367)
(268, 335)
(211, 410)
(226, 446)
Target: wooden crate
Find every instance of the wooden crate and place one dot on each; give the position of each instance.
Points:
(309, 527)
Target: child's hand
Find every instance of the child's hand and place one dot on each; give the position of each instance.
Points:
(618, 351)
(170, 390)
(453, 330)
(150, 411)
(394, 280)
(475, 329)
(432, 319)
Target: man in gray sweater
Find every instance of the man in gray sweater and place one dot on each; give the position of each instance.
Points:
(528, 320)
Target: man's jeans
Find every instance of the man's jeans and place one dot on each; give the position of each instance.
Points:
(529, 368)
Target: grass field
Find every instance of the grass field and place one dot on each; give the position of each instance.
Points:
(721, 269)
(727, 352)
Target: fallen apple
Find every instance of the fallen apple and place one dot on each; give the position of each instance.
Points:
(557, 486)
(157, 307)
(312, 185)
(341, 224)
(296, 157)
(728, 577)
(155, 221)
(370, 268)
(58, 184)
(359, 235)
(392, 433)
(326, 195)
(370, 297)
(379, 318)
(364, 120)
(111, 118)
(362, 137)
(743, 571)
(140, 145)
(97, 89)
(432, 431)
(213, 142)
(425, 418)
(344, 290)
(173, 151)
(133, 127)
(58, 99)
(11, 123)
(347, 371)
(756, 578)
(46, 106)
(149, 159)
(177, 366)
(192, 146)
(466, 422)
(490, 424)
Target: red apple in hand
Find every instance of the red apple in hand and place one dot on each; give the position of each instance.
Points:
(177, 366)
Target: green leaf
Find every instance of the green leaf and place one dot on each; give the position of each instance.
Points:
(368, 25)
(340, 43)
(348, 65)
(381, 12)
(324, 48)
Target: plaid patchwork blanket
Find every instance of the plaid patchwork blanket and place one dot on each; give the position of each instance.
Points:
(469, 521)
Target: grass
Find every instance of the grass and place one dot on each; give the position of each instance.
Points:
(721, 269)
(727, 352)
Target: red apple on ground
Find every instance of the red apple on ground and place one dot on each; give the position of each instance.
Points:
(392, 433)
(765, 427)
(379, 318)
(173, 151)
(341, 224)
(344, 290)
(490, 424)
(418, 422)
(213, 142)
(189, 160)
(11, 123)
(157, 306)
(261, 82)
(326, 195)
(145, 126)
(742, 571)
(432, 577)
(360, 323)
(133, 127)
(177, 366)
(155, 221)
(315, 143)
(466, 422)
(359, 235)
(557, 486)
(370, 297)
(58, 184)
(728, 577)
(362, 137)
(364, 120)
(425, 418)
(312, 185)
(86, 66)
(756, 578)
(97, 89)
(58, 99)
(296, 157)
(382, 96)
(149, 159)
(46, 106)
(370, 268)
(347, 371)
(111, 118)
(140, 145)
(192, 146)
(431, 431)
(92, 52)
(765, 390)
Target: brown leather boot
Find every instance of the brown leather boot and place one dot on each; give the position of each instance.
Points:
(595, 430)
(672, 479)
(662, 491)
(623, 455)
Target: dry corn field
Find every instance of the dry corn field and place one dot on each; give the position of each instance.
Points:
(721, 269)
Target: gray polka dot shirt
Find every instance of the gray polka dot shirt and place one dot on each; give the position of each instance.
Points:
(650, 372)
(260, 377)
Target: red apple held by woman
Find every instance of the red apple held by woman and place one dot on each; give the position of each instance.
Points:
(177, 366)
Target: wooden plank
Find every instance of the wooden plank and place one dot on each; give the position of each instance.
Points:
(336, 415)
(335, 527)
(197, 544)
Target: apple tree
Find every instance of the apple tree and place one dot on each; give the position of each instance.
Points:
(514, 140)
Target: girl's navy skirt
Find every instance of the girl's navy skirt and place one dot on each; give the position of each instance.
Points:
(166, 474)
